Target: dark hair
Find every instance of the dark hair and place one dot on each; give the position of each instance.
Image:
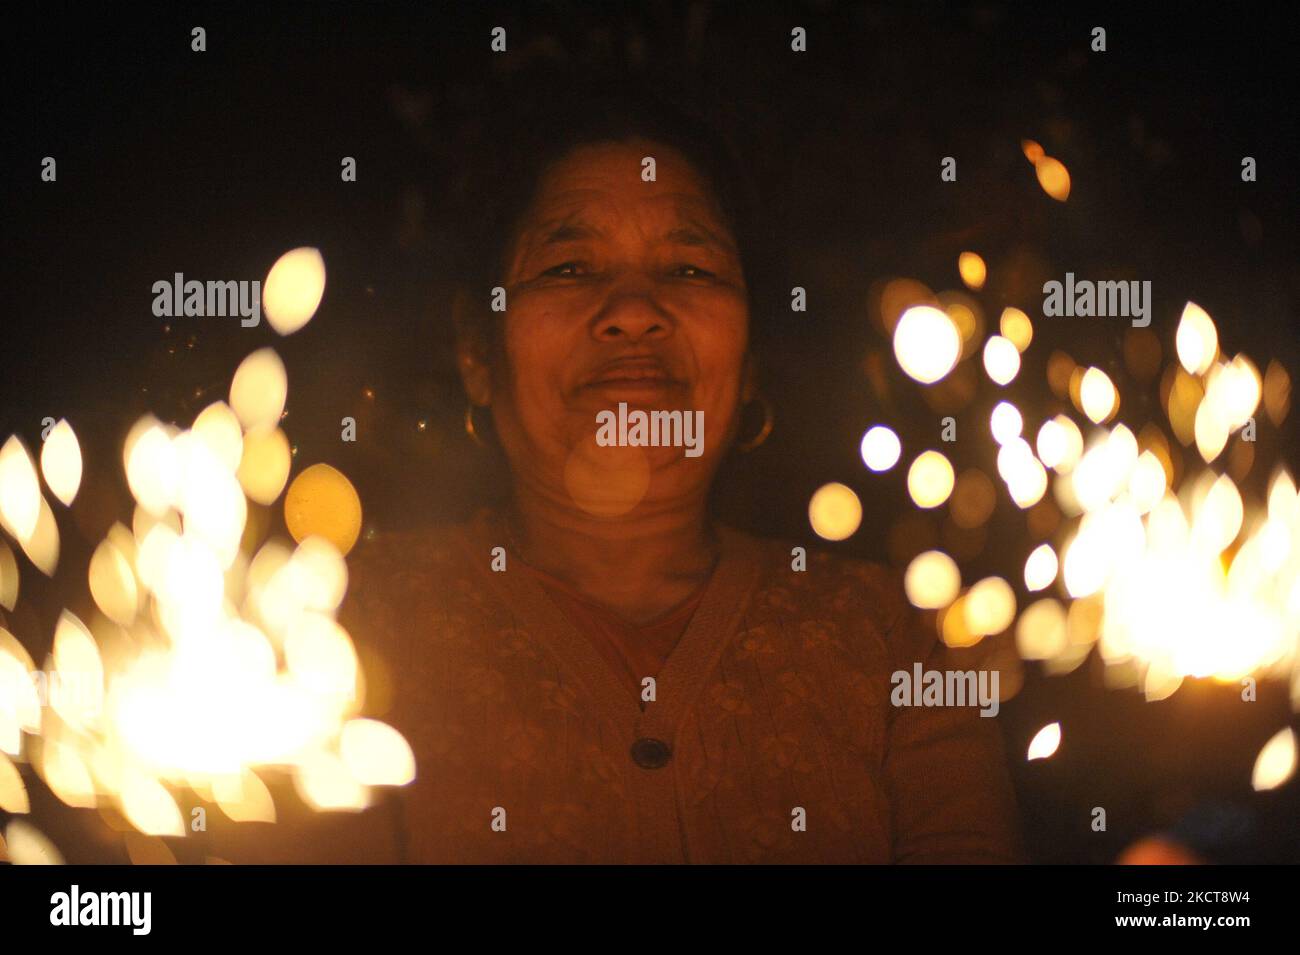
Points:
(535, 126)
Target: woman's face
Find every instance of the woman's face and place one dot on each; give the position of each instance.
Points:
(618, 290)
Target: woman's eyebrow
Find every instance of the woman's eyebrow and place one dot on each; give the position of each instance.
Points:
(694, 234)
(691, 235)
(566, 232)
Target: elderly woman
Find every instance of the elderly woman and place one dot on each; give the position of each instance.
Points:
(599, 671)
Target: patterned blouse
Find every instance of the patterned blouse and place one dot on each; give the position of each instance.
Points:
(771, 737)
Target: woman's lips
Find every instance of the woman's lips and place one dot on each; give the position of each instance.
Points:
(642, 375)
(610, 390)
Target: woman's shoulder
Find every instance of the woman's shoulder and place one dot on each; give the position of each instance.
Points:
(400, 574)
(817, 580)
(439, 551)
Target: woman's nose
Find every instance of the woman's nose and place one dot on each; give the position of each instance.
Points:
(632, 311)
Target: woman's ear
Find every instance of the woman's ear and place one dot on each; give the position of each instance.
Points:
(471, 354)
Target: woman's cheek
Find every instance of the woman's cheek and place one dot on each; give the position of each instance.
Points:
(534, 353)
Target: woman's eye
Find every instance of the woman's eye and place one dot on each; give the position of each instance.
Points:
(565, 269)
(692, 272)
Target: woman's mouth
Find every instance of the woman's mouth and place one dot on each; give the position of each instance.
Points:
(642, 376)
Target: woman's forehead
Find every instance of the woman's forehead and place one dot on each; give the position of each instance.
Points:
(573, 213)
(597, 190)
(600, 173)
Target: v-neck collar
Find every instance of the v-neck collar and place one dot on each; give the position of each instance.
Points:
(688, 667)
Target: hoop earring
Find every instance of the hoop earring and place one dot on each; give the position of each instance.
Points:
(469, 426)
(769, 419)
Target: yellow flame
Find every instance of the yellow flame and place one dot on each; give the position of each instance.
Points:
(20, 491)
(264, 467)
(61, 462)
(926, 343)
(293, 289)
(376, 754)
(1040, 568)
(322, 502)
(325, 783)
(8, 577)
(1005, 422)
(112, 583)
(1197, 340)
(244, 798)
(29, 846)
(1001, 359)
(1060, 444)
(1276, 761)
(932, 580)
(990, 606)
(1041, 631)
(880, 448)
(214, 664)
(930, 479)
(1045, 741)
(13, 794)
(78, 695)
(1053, 177)
(1097, 395)
(1016, 327)
(834, 512)
(973, 270)
(150, 808)
(259, 389)
(152, 471)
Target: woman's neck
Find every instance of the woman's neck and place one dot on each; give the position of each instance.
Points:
(640, 566)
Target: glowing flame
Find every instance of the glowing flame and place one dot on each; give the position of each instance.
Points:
(1001, 359)
(322, 502)
(1016, 328)
(376, 754)
(1276, 761)
(973, 270)
(1045, 741)
(61, 462)
(1040, 568)
(215, 664)
(930, 479)
(834, 512)
(990, 606)
(926, 343)
(1053, 177)
(880, 448)
(932, 580)
(293, 289)
(1170, 571)
(1197, 340)
(1097, 395)
(1005, 422)
(259, 390)
(20, 491)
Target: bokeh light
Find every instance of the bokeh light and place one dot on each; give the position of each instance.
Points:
(293, 289)
(834, 512)
(880, 448)
(932, 580)
(930, 479)
(926, 343)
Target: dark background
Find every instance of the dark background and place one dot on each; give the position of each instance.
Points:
(213, 164)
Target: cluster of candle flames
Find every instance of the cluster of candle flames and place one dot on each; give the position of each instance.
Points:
(1166, 580)
(215, 656)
